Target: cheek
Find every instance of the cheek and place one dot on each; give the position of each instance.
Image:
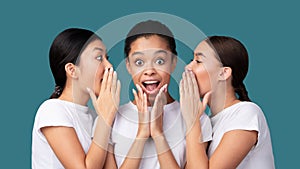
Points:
(165, 77)
(135, 78)
(203, 80)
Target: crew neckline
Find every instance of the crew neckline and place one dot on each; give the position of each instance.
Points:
(75, 105)
(227, 108)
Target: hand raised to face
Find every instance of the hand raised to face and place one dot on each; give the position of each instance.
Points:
(107, 103)
(190, 104)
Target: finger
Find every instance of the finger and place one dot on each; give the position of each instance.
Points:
(103, 85)
(136, 98)
(195, 85)
(206, 99)
(92, 95)
(189, 83)
(147, 113)
(114, 82)
(109, 79)
(118, 90)
(117, 93)
(185, 83)
(181, 90)
(145, 103)
(140, 91)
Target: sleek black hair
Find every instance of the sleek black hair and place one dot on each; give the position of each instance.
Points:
(147, 29)
(66, 48)
(232, 53)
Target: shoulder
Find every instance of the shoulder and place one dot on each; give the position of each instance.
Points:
(246, 109)
(54, 109)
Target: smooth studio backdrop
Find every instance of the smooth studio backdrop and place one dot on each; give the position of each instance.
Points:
(269, 30)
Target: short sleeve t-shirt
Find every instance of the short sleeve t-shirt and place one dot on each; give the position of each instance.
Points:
(55, 112)
(245, 116)
(126, 126)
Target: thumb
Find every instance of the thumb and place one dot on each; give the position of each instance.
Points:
(92, 95)
(206, 99)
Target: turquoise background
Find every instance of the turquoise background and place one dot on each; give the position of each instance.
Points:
(270, 31)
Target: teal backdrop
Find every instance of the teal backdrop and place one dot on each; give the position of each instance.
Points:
(270, 31)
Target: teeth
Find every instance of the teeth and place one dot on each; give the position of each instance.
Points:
(150, 82)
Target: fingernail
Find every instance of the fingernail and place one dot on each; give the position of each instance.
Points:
(133, 91)
(88, 89)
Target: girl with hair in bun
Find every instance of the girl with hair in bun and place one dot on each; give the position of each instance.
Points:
(241, 137)
(62, 131)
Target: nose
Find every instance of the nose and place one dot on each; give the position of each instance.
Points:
(107, 64)
(189, 66)
(149, 72)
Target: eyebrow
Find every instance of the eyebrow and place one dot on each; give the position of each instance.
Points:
(199, 53)
(137, 53)
(96, 48)
(156, 52)
(160, 51)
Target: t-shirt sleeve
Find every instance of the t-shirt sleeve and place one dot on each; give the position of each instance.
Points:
(206, 128)
(54, 114)
(245, 117)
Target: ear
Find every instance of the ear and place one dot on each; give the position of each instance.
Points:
(70, 69)
(174, 63)
(128, 67)
(225, 73)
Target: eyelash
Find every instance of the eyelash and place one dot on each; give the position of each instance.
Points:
(160, 60)
(139, 60)
(100, 58)
(198, 61)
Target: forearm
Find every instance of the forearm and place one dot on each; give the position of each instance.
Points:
(134, 156)
(196, 149)
(99, 146)
(165, 155)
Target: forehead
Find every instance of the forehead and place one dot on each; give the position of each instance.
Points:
(154, 42)
(95, 45)
(203, 47)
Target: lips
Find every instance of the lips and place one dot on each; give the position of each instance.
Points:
(151, 86)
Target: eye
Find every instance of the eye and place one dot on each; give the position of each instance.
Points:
(198, 61)
(139, 62)
(100, 58)
(160, 61)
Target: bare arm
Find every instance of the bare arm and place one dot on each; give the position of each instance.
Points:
(165, 156)
(134, 156)
(66, 146)
(110, 162)
(64, 140)
(233, 147)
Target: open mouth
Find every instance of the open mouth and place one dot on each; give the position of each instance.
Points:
(151, 86)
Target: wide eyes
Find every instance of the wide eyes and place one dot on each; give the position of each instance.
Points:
(139, 62)
(160, 61)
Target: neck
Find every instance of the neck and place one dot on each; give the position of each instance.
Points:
(221, 99)
(75, 96)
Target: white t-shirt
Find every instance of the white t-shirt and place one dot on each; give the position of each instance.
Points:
(125, 129)
(55, 112)
(245, 116)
